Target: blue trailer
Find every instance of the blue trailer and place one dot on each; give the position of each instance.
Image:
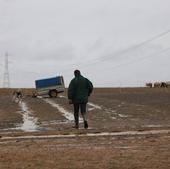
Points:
(50, 86)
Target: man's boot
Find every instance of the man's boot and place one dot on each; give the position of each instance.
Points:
(85, 124)
(76, 126)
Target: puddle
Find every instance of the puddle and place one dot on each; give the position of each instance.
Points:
(91, 109)
(40, 97)
(125, 133)
(29, 122)
(123, 116)
(115, 115)
(94, 105)
(113, 111)
(66, 114)
(128, 133)
(127, 147)
(61, 96)
(154, 125)
(55, 122)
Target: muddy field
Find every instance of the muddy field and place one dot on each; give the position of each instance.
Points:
(128, 129)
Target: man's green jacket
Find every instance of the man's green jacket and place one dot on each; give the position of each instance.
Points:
(79, 89)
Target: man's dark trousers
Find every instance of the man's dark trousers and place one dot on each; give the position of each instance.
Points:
(82, 108)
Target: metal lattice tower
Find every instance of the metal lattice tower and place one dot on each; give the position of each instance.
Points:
(6, 82)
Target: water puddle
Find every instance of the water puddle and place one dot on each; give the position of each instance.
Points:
(40, 97)
(114, 118)
(155, 126)
(114, 114)
(94, 105)
(123, 116)
(29, 122)
(61, 96)
(113, 111)
(54, 122)
(125, 133)
(90, 108)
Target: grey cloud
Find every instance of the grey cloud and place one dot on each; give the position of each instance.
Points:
(63, 53)
(46, 37)
(96, 46)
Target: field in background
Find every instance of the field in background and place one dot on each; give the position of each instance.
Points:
(29, 91)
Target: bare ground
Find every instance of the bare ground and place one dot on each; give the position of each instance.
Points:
(110, 111)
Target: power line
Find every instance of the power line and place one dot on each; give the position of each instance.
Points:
(131, 62)
(105, 58)
(132, 48)
(92, 62)
(142, 58)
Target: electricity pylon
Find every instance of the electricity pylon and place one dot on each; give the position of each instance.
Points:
(6, 82)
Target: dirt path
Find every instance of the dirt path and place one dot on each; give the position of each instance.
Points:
(127, 152)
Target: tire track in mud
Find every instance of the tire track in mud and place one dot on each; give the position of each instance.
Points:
(95, 106)
(118, 114)
(68, 115)
(113, 114)
(29, 122)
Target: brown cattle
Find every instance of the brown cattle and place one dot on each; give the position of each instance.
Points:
(149, 85)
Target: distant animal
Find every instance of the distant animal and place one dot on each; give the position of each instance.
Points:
(149, 85)
(160, 84)
(168, 84)
(17, 96)
(157, 84)
(163, 84)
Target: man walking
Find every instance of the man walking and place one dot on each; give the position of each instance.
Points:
(79, 90)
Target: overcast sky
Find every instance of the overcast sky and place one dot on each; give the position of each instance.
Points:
(112, 42)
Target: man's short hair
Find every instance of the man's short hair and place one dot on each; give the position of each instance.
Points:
(77, 73)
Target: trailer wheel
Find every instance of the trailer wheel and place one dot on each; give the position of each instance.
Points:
(53, 93)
